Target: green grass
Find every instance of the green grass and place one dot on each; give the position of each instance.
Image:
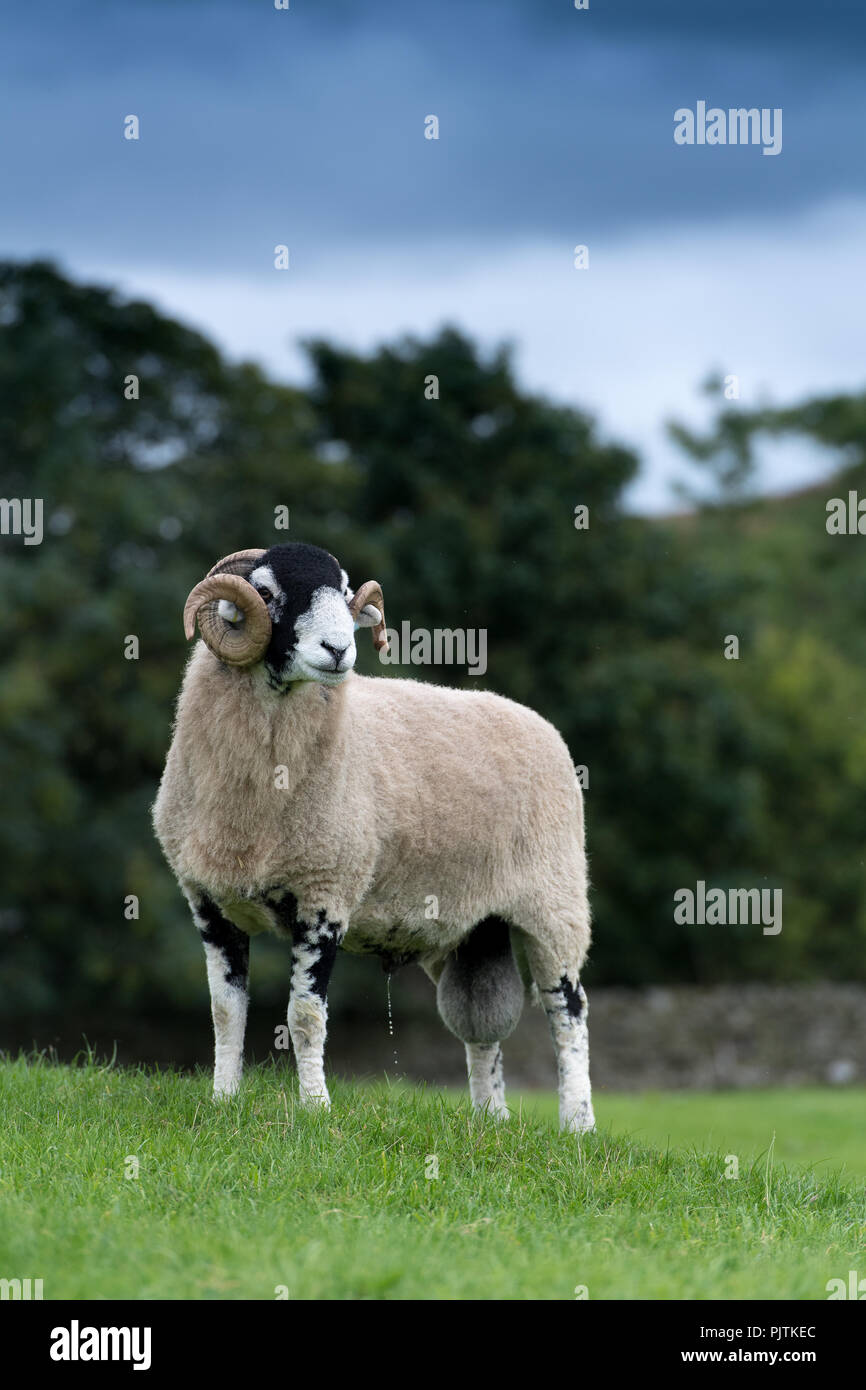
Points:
(820, 1127)
(234, 1200)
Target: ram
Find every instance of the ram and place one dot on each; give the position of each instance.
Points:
(336, 811)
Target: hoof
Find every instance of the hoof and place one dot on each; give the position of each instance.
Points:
(315, 1100)
(486, 1108)
(581, 1122)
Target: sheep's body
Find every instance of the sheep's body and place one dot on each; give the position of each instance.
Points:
(394, 793)
(385, 816)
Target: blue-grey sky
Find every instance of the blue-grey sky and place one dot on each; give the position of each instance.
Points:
(306, 127)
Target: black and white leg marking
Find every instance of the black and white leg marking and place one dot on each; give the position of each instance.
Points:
(314, 949)
(566, 1008)
(227, 954)
(486, 1080)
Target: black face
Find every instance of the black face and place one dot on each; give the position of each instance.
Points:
(307, 625)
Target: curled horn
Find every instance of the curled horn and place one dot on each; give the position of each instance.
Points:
(368, 610)
(236, 646)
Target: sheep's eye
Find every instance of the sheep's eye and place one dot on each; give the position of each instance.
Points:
(265, 594)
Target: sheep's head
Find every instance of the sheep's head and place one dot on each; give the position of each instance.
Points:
(290, 607)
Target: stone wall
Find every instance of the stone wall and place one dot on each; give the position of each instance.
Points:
(722, 1037)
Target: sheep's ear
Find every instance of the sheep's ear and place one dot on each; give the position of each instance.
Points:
(367, 607)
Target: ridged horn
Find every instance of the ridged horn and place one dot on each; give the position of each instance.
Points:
(241, 645)
(370, 595)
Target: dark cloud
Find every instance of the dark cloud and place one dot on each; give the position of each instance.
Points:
(306, 126)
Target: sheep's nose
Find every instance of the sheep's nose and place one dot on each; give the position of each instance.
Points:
(336, 652)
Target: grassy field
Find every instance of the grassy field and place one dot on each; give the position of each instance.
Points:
(236, 1200)
(816, 1126)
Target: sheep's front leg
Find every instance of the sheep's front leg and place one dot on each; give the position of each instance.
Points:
(314, 949)
(227, 954)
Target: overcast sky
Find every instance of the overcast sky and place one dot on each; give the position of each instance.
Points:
(306, 127)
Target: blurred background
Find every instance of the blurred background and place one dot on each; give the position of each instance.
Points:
(305, 388)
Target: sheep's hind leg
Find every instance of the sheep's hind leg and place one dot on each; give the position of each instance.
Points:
(314, 950)
(566, 1007)
(479, 993)
(565, 1004)
(486, 1080)
(483, 1064)
(227, 954)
